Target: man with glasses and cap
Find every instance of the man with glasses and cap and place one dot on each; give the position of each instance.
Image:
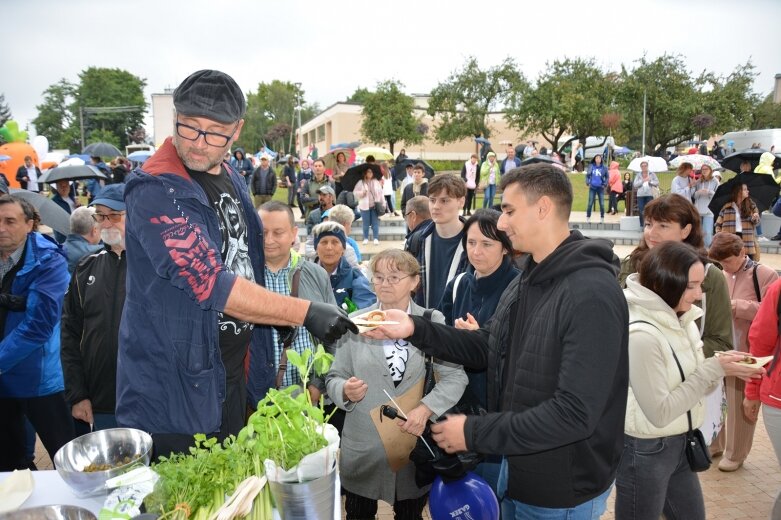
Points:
(90, 319)
(196, 306)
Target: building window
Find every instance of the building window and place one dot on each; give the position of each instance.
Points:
(305, 139)
(320, 133)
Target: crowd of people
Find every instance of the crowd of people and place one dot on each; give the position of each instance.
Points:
(189, 284)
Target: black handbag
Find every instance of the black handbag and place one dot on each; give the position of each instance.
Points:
(696, 450)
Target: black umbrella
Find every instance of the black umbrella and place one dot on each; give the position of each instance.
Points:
(545, 159)
(51, 214)
(733, 160)
(400, 170)
(71, 173)
(762, 189)
(356, 173)
(101, 150)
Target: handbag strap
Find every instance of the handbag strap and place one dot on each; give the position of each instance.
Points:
(675, 357)
(429, 360)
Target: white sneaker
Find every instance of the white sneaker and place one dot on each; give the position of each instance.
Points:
(602, 221)
(365, 241)
(376, 242)
(588, 220)
(763, 239)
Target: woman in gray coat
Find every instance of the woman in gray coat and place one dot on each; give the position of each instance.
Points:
(373, 466)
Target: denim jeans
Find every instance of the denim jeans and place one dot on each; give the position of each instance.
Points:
(654, 477)
(516, 510)
(488, 195)
(592, 194)
(707, 228)
(370, 218)
(772, 418)
(641, 202)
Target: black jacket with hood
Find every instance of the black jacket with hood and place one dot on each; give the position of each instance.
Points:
(557, 366)
(243, 165)
(90, 329)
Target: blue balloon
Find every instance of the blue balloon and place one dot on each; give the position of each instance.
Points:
(469, 498)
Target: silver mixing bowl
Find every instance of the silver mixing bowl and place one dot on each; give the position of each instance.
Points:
(49, 513)
(101, 447)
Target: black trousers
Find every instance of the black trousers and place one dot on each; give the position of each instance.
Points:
(234, 409)
(362, 508)
(470, 197)
(51, 417)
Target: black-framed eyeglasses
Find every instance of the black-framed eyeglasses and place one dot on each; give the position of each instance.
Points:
(113, 217)
(392, 279)
(212, 138)
(407, 214)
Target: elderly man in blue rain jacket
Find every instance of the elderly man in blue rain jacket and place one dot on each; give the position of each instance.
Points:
(195, 281)
(34, 277)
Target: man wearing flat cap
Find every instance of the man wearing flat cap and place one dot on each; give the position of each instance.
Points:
(195, 306)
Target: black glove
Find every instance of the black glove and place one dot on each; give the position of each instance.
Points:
(328, 322)
(286, 334)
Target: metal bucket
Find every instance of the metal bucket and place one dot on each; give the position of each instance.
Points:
(313, 500)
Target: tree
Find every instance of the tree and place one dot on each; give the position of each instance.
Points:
(54, 116)
(359, 96)
(5, 111)
(767, 114)
(272, 104)
(729, 101)
(278, 135)
(465, 99)
(572, 96)
(100, 135)
(111, 100)
(388, 118)
(119, 99)
(673, 100)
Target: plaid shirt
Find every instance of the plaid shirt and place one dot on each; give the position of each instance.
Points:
(7, 265)
(278, 282)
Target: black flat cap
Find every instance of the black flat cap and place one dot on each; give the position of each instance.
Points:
(211, 94)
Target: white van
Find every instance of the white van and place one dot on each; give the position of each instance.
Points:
(741, 140)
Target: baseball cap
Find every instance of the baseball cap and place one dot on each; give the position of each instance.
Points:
(211, 94)
(327, 190)
(112, 196)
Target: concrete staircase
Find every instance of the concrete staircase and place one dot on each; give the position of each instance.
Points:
(621, 230)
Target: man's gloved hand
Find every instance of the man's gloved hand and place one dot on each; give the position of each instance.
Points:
(286, 334)
(328, 322)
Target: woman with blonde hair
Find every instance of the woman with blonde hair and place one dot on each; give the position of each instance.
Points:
(702, 193)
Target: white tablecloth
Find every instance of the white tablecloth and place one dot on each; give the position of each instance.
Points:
(50, 489)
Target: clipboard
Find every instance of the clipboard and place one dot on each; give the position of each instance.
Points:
(397, 443)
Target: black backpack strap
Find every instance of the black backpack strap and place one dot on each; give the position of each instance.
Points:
(756, 283)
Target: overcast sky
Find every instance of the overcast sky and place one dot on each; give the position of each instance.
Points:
(334, 46)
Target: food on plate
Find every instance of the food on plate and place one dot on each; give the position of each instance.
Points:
(91, 468)
(375, 316)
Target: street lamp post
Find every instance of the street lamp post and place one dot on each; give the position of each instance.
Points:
(299, 142)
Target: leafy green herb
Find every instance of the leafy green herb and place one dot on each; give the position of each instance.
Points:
(285, 428)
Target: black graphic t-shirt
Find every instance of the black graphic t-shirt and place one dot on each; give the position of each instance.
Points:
(234, 333)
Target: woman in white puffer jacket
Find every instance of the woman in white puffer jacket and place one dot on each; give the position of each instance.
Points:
(654, 475)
